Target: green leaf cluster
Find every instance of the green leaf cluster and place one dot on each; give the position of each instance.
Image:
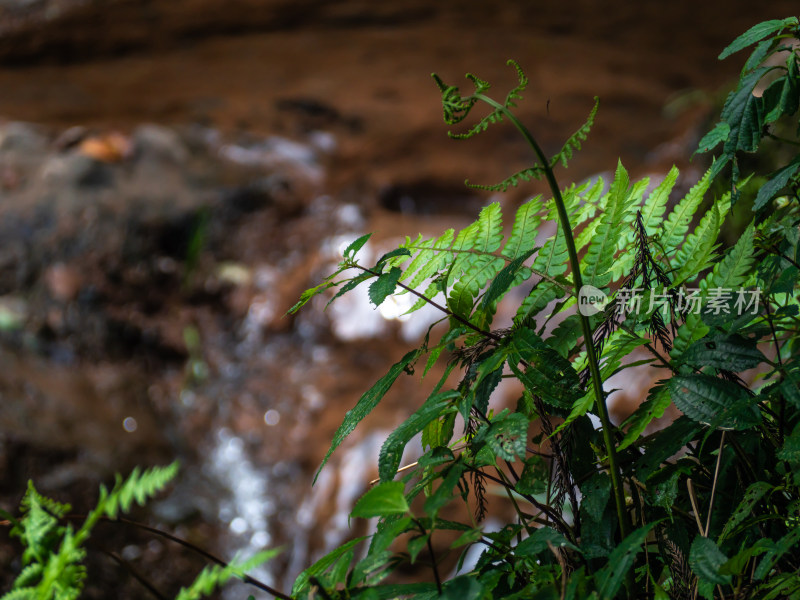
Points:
(708, 505)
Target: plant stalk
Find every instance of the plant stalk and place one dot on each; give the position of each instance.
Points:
(594, 367)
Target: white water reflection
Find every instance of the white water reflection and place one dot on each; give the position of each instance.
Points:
(249, 506)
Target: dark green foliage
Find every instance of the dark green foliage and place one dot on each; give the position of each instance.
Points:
(706, 507)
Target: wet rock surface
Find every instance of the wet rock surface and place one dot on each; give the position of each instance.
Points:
(168, 188)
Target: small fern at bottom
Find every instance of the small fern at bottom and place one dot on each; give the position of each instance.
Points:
(53, 553)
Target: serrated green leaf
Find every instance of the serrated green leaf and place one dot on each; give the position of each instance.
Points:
(416, 545)
(384, 286)
(536, 542)
(524, 230)
(546, 374)
(534, 477)
(610, 577)
(603, 248)
(506, 435)
(782, 95)
(774, 553)
(392, 254)
(734, 269)
(713, 401)
(791, 447)
(673, 230)
(656, 203)
(356, 245)
(573, 144)
(744, 509)
(697, 251)
(714, 137)
(463, 587)
(664, 444)
(504, 280)
(658, 399)
(776, 182)
(705, 560)
(391, 453)
(367, 402)
(732, 353)
(384, 499)
(757, 33)
(322, 565)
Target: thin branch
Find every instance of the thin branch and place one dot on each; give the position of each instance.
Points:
(433, 556)
(246, 578)
(135, 574)
(714, 485)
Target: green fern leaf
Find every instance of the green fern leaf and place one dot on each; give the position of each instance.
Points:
(468, 286)
(527, 174)
(573, 144)
(516, 92)
(216, 576)
(29, 576)
(138, 487)
(735, 269)
(475, 264)
(490, 229)
(674, 229)
(697, 251)
(626, 248)
(658, 399)
(600, 256)
(431, 257)
(539, 297)
(656, 203)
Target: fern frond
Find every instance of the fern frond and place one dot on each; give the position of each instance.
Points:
(734, 269)
(626, 246)
(139, 487)
(490, 229)
(479, 127)
(524, 230)
(216, 576)
(28, 576)
(480, 267)
(431, 257)
(675, 227)
(527, 174)
(600, 256)
(696, 253)
(455, 107)
(656, 203)
(573, 143)
(539, 297)
(515, 93)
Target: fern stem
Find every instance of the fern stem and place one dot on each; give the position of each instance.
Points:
(594, 367)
